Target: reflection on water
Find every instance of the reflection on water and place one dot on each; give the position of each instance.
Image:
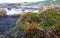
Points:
(7, 23)
(11, 11)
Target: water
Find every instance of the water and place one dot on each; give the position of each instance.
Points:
(7, 23)
(11, 11)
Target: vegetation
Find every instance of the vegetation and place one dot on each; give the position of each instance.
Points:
(3, 13)
(37, 25)
(45, 24)
(42, 3)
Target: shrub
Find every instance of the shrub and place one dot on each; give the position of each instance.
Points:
(36, 25)
(48, 17)
(3, 13)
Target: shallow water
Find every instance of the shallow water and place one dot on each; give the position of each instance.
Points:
(7, 23)
(11, 11)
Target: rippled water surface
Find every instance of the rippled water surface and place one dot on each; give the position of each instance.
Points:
(7, 23)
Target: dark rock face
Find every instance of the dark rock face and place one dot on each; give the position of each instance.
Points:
(7, 23)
